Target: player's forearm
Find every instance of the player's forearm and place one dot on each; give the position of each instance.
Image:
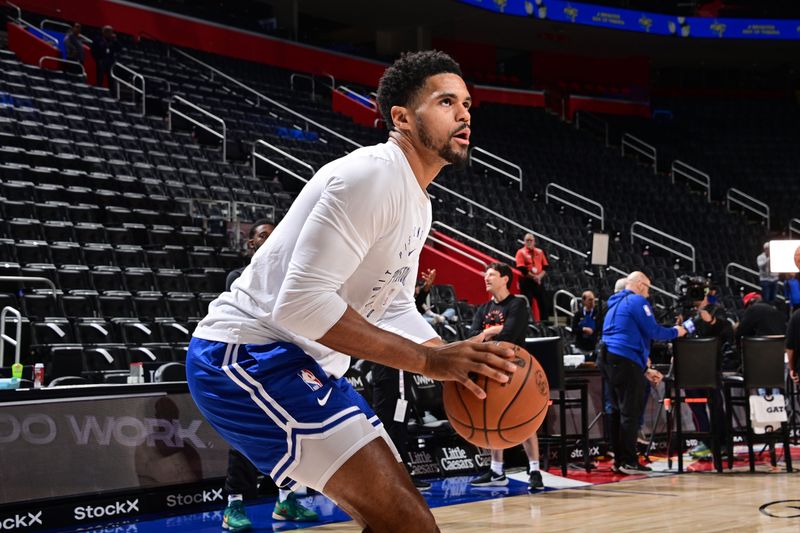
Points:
(353, 335)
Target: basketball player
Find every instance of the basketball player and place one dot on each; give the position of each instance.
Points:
(504, 318)
(336, 279)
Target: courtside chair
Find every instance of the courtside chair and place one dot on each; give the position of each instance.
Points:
(695, 365)
(762, 367)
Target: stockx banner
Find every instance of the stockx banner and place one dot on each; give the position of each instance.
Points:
(643, 22)
(100, 444)
(117, 512)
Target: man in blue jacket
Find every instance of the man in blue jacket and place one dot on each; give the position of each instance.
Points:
(628, 330)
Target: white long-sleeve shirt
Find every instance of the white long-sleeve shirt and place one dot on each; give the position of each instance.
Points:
(352, 237)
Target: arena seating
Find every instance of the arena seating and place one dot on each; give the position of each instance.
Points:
(99, 200)
(118, 211)
(742, 144)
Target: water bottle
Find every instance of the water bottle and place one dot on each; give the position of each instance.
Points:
(38, 376)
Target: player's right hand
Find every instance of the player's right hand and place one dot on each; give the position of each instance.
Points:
(457, 360)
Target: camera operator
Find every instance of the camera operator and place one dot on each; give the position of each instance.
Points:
(711, 322)
(628, 330)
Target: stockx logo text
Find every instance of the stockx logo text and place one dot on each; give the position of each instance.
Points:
(21, 520)
(206, 496)
(113, 509)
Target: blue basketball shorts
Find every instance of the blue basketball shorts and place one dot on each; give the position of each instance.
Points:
(277, 406)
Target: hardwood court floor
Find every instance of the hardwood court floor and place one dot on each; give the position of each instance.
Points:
(696, 503)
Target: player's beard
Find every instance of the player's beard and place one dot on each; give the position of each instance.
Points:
(445, 149)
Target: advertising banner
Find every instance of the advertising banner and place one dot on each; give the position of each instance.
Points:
(76, 446)
(644, 22)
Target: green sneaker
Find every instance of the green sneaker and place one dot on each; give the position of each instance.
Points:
(291, 509)
(235, 518)
(700, 452)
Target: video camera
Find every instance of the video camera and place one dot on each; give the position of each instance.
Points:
(690, 290)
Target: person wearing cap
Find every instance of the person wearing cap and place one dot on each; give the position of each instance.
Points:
(767, 278)
(759, 318)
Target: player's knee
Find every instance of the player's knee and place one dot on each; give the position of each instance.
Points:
(414, 515)
(405, 514)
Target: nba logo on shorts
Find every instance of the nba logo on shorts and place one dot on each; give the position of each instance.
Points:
(310, 379)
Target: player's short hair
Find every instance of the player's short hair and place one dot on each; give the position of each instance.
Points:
(504, 270)
(406, 76)
(257, 223)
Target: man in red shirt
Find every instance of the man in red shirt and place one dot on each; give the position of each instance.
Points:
(532, 262)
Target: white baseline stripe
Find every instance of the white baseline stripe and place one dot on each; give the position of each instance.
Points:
(253, 396)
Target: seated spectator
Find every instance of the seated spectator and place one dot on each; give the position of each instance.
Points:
(421, 292)
(759, 318)
(586, 323)
(532, 262)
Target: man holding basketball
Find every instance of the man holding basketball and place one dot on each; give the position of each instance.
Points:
(628, 330)
(504, 318)
(336, 279)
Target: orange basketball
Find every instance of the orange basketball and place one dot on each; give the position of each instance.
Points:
(511, 412)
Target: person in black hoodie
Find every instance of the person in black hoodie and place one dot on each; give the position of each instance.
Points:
(105, 49)
(759, 318)
(504, 318)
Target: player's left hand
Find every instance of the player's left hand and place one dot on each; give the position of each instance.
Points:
(460, 361)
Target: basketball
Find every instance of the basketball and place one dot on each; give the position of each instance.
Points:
(511, 412)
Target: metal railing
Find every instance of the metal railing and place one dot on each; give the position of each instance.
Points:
(689, 257)
(654, 287)
(59, 24)
(130, 84)
(222, 136)
(360, 98)
(308, 77)
(745, 201)
(39, 32)
(65, 61)
(517, 225)
(748, 282)
(794, 227)
(587, 121)
(210, 209)
(15, 341)
(557, 308)
(599, 214)
(255, 155)
(517, 169)
(34, 279)
(272, 102)
(679, 168)
(245, 209)
(449, 246)
(473, 239)
(639, 146)
(313, 79)
(15, 6)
